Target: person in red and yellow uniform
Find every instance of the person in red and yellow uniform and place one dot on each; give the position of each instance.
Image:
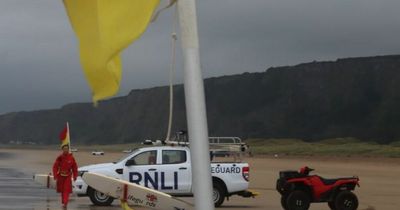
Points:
(65, 169)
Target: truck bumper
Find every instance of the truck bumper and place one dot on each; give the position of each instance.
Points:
(80, 187)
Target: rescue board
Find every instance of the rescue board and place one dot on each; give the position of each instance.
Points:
(45, 180)
(134, 194)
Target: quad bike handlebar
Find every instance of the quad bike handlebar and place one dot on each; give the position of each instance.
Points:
(305, 170)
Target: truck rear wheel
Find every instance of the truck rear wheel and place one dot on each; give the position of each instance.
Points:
(218, 194)
(99, 198)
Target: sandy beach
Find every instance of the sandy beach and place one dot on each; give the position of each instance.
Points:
(380, 186)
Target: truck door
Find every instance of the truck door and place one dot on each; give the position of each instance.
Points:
(176, 177)
(142, 169)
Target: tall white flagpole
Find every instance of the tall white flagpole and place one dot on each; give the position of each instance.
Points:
(195, 107)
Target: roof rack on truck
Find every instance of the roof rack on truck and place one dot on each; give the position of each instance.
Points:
(219, 146)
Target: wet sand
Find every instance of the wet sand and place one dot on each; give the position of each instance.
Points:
(380, 185)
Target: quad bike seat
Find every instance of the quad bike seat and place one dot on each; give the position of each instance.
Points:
(328, 181)
(333, 181)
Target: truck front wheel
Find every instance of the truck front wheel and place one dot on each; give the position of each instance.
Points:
(99, 198)
(218, 194)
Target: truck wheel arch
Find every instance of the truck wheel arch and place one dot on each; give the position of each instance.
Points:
(221, 182)
(220, 186)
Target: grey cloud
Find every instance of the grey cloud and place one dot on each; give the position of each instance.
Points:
(40, 69)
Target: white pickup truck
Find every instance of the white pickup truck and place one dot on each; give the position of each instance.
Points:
(167, 169)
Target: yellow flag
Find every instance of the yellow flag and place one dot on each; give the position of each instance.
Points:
(104, 28)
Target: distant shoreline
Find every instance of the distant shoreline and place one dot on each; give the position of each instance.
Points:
(5, 154)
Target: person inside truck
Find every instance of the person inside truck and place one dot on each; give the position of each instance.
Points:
(152, 159)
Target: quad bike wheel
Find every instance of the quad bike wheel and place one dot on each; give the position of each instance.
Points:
(298, 200)
(331, 205)
(346, 200)
(283, 202)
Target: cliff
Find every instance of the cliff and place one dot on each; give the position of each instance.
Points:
(353, 97)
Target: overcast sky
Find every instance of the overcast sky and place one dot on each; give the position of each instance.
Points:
(39, 63)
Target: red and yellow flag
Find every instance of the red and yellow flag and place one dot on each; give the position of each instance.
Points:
(104, 28)
(64, 136)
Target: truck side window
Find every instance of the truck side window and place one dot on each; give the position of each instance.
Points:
(173, 156)
(146, 158)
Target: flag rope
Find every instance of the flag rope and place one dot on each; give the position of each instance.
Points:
(172, 71)
(170, 4)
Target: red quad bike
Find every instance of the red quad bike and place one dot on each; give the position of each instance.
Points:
(299, 189)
